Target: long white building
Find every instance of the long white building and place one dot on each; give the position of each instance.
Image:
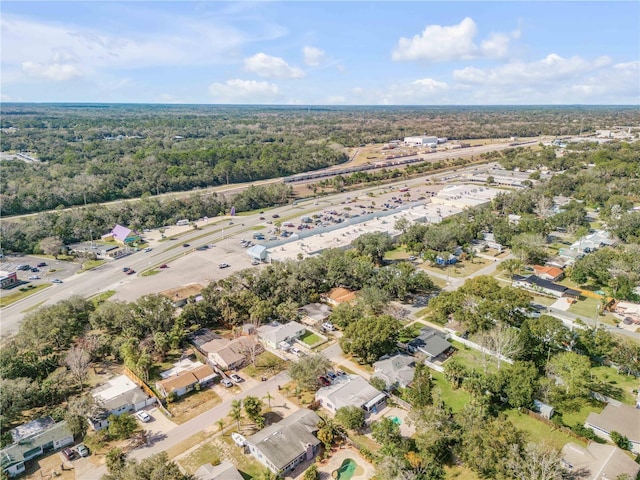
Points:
(420, 140)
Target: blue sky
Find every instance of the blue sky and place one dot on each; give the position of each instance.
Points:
(360, 52)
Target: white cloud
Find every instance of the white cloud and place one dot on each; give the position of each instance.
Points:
(439, 43)
(244, 91)
(271, 67)
(549, 69)
(313, 56)
(54, 71)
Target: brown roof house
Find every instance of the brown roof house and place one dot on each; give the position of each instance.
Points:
(620, 418)
(184, 377)
(339, 295)
(223, 471)
(548, 272)
(598, 462)
(229, 354)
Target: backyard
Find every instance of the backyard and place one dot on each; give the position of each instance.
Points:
(310, 338)
(540, 432)
(267, 364)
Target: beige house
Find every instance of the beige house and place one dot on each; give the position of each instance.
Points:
(339, 295)
(229, 354)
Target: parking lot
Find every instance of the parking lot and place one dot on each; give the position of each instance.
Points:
(52, 269)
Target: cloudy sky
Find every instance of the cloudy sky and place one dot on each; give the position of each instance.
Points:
(359, 52)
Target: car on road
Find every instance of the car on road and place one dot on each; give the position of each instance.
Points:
(34, 277)
(324, 381)
(185, 245)
(125, 269)
(143, 416)
(226, 383)
(261, 218)
(68, 454)
(275, 215)
(236, 378)
(164, 265)
(56, 280)
(41, 264)
(224, 265)
(202, 248)
(82, 449)
(148, 249)
(131, 272)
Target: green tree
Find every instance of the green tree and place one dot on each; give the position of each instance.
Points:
(311, 473)
(121, 426)
(306, 371)
(253, 408)
(236, 411)
(374, 245)
(115, 460)
(155, 467)
(620, 440)
(387, 433)
(351, 417)
(370, 338)
(573, 370)
(419, 394)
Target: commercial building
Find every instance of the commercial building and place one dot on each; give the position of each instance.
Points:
(8, 279)
(421, 140)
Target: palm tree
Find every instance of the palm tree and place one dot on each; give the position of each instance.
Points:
(269, 397)
(220, 424)
(236, 411)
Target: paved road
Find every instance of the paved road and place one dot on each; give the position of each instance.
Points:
(197, 424)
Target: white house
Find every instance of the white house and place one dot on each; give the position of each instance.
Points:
(620, 418)
(272, 334)
(350, 390)
(117, 396)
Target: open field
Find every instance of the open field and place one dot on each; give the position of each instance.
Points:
(461, 269)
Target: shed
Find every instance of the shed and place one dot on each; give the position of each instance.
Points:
(258, 252)
(543, 409)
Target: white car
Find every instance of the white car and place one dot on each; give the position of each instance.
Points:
(295, 351)
(34, 277)
(236, 378)
(226, 383)
(143, 416)
(328, 327)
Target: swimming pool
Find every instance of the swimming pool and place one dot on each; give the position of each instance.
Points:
(345, 472)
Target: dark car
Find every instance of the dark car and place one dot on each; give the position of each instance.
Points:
(41, 264)
(332, 375)
(202, 247)
(164, 265)
(275, 215)
(324, 381)
(34, 269)
(131, 272)
(185, 245)
(125, 269)
(69, 454)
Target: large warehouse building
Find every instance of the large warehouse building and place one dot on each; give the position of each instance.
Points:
(421, 140)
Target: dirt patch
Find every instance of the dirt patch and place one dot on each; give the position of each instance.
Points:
(193, 404)
(50, 467)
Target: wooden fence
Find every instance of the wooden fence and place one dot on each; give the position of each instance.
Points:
(138, 381)
(555, 426)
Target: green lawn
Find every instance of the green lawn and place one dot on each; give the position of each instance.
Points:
(22, 292)
(398, 253)
(459, 472)
(310, 338)
(455, 399)
(473, 359)
(577, 410)
(91, 264)
(620, 386)
(206, 453)
(461, 269)
(539, 431)
(100, 298)
(267, 364)
(587, 306)
(148, 273)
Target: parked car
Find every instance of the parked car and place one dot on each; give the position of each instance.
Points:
(236, 378)
(34, 269)
(68, 454)
(143, 416)
(42, 264)
(224, 265)
(255, 262)
(56, 280)
(295, 351)
(226, 382)
(202, 247)
(34, 277)
(328, 327)
(185, 245)
(82, 449)
(332, 375)
(324, 381)
(340, 373)
(164, 265)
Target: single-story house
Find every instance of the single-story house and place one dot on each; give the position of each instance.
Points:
(547, 272)
(338, 295)
(396, 371)
(571, 254)
(284, 445)
(430, 342)
(229, 354)
(8, 279)
(223, 471)
(32, 440)
(559, 262)
(598, 461)
(314, 314)
(121, 235)
(627, 309)
(538, 285)
(185, 380)
(272, 334)
(201, 336)
(620, 418)
(258, 252)
(348, 390)
(180, 296)
(456, 328)
(117, 396)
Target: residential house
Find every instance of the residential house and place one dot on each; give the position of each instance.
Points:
(223, 471)
(314, 314)
(230, 354)
(32, 440)
(559, 262)
(350, 390)
(180, 296)
(272, 334)
(183, 378)
(598, 462)
(201, 336)
(627, 310)
(286, 444)
(620, 418)
(396, 370)
(548, 272)
(117, 396)
(338, 295)
(430, 343)
(545, 287)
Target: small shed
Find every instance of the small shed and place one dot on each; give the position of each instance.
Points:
(543, 409)
(258, 252)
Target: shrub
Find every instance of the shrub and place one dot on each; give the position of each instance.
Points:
(620, 440)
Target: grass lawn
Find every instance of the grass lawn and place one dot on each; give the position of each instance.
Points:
(193, 404)
(473, 359)
(205, 453)
(267, 365)
(148, 273)
(398, 253)
(310, 338)
(546, 301)
(587, 306)
(440, 282)
(246, 464)
(100, 298)
(257, 227)
(461, 269)
(459, 472)
(538, 431)
(577, 410)
(410, 332)
(455, 399)
(623, 384)
(19, 295)
(90, 264)
(185, 445)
